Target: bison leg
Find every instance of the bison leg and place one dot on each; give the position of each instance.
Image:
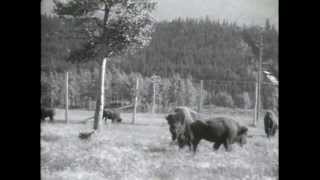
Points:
(51, 118)
(269, 132)
(274, 130)
(173, 136)
(173, 133)
(195, 145)
(113, 120)
(216, 146)
(227, 145)
(190, 145)
(266, 129)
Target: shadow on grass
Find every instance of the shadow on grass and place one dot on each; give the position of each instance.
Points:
(50, 138)
(62, 121)
(256, 135)
(137, 124)
(157, 149)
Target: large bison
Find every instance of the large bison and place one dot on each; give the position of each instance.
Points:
(47, 112)
(171, 122)
(179, 123)
(112, 114)
(219, 130)
(270, 124)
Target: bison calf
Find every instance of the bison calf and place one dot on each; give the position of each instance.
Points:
(270, 125)
(111, 114)
(47, 112)
(218, 130)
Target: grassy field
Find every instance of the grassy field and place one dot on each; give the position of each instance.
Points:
(143, 151)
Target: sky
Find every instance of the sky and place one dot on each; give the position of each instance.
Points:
(249, 12)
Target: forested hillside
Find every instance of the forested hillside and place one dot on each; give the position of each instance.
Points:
(182, 52)
(203, 49)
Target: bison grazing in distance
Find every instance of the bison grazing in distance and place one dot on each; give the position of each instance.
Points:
(270, 124)
(114, 115)
(219, 130)
(47, 112)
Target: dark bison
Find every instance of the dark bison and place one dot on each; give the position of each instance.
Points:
(112, 114)
(47, 112)
(270, 125)
(179, 123)
(219, 130)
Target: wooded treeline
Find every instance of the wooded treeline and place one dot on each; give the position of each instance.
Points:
(182, 52)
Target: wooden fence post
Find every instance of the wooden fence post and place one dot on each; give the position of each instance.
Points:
(66, 97)
(154, 97)
(200, 98)
(258, 84)
(259, 78)
(255, 105)
(135, 101)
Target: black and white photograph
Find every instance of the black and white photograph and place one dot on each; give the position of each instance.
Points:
(159, 90)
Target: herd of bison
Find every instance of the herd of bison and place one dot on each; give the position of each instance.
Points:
(187, 128)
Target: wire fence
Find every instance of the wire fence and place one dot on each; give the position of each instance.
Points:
(160, 96)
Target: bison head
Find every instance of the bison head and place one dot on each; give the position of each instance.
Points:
(242, 136)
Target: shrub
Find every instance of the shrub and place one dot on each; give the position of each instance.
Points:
(223, 99)
(247, 101)
(243, 100)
